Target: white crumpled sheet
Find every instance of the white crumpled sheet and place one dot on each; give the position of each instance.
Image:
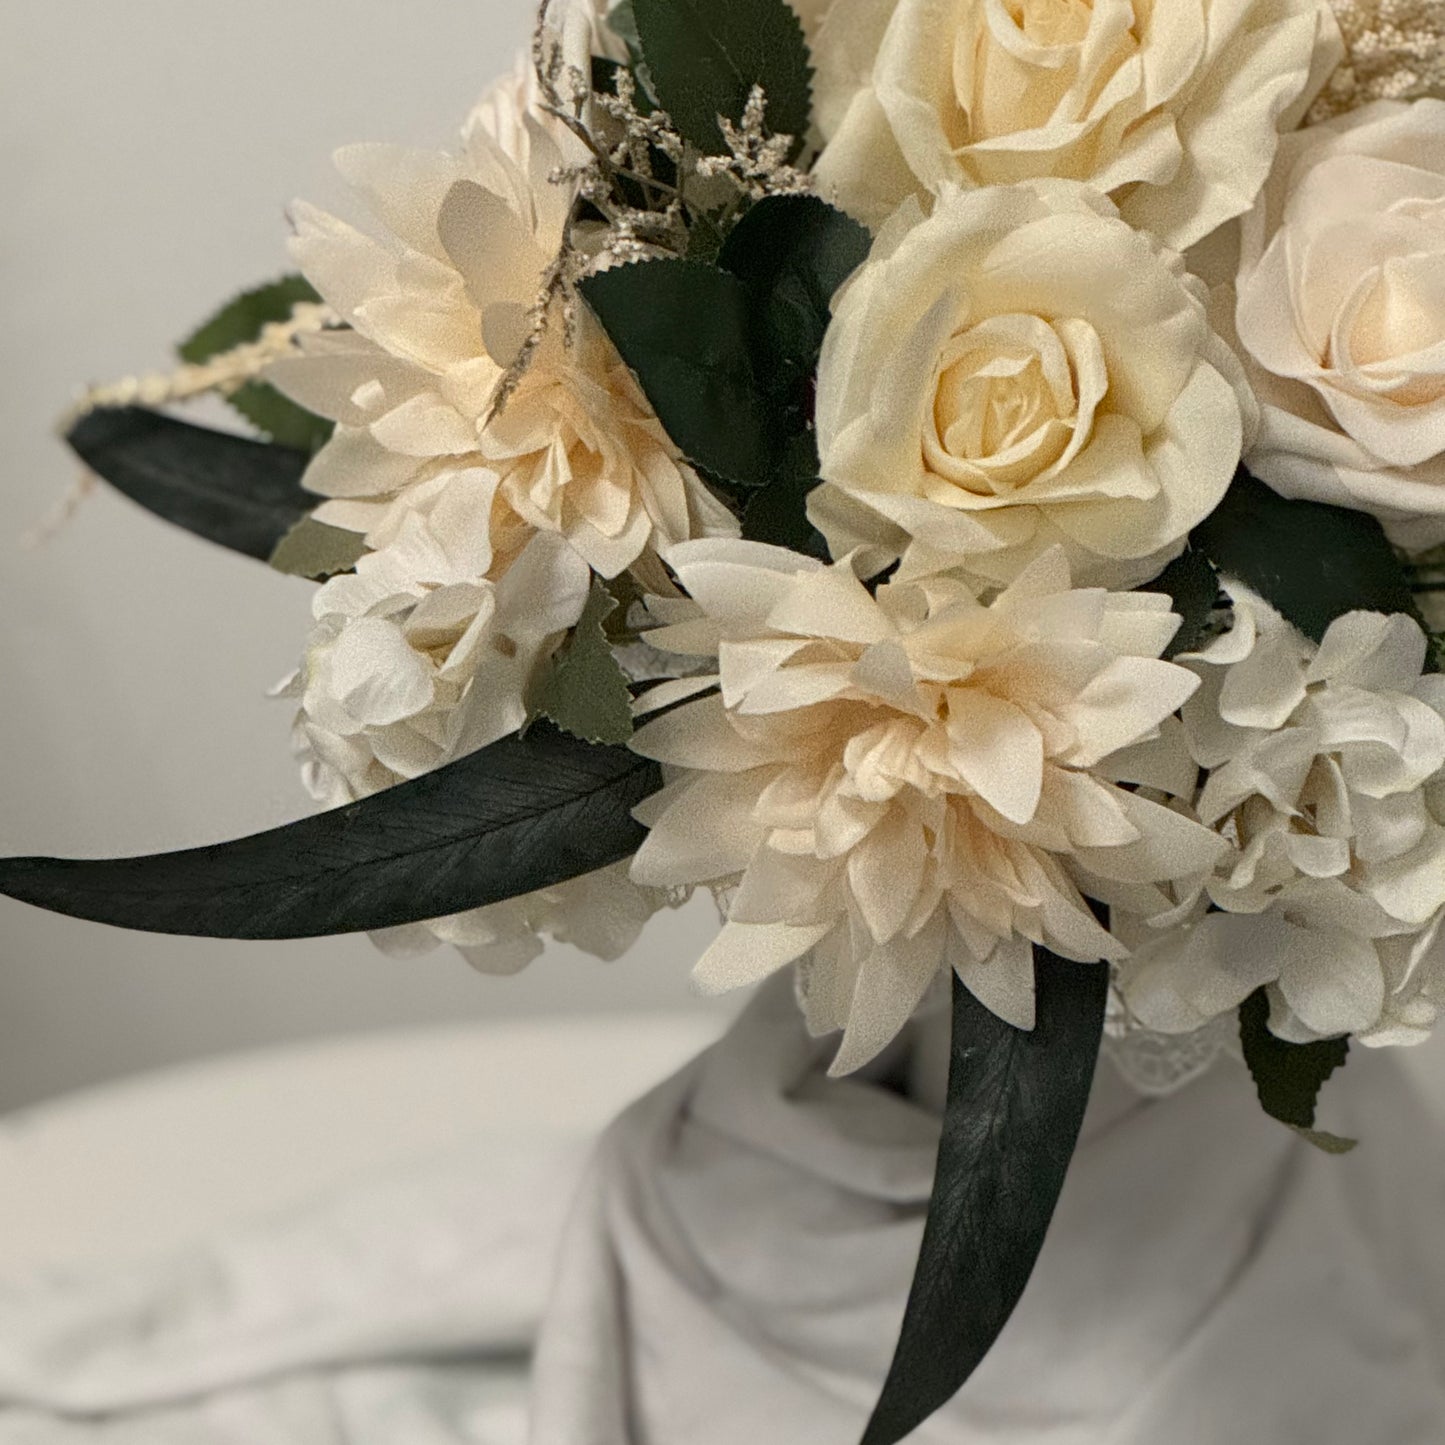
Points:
(734, 1271)
(400, 1310)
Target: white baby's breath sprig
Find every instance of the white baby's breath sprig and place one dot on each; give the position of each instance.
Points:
(224, 373)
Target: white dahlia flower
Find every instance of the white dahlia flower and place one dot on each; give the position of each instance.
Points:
(418, 659)
(991, 386)
(904, 783)
(601, 913)
(1325, 769)
(441, 302)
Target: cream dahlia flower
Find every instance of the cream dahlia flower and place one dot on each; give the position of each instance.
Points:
(992, 386)
(441, 303)
(1172, 106)
(904, 783)
(1325, 769)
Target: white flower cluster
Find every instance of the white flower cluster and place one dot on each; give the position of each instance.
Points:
(1027, 401)
(1324, 768)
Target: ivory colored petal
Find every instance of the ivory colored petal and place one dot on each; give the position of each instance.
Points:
(1003, 982)
(746, 953)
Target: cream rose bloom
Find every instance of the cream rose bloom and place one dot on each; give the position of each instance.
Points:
(1174, 107)
(1341, 315)
(905, 783)
(441, 302)
(1019, 371)
(1324, 769)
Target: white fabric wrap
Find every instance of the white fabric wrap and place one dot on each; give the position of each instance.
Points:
(736, 1265)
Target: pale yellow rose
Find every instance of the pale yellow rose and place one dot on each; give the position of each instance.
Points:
(1023, 370)
(1341, 316)
(1174, 107)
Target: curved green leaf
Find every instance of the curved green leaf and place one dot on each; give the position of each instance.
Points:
(1015, 1105)
(526, 813)
(238, 493)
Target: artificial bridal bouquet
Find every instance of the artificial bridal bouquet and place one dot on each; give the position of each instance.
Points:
(961, 481)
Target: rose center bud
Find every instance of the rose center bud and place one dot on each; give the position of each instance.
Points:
(1004, 407)
(1052, 22)
(1395, 316)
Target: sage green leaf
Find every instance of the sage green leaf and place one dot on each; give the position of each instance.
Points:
(1311, 562)
(241, 494)
(241, 322)
(1327, 1143)
(525, 813)
(584, 691)
(703, 59)
(316, 551)
(684, 328)
(1289, 1077)
(1192, 584)
(1011, 1122)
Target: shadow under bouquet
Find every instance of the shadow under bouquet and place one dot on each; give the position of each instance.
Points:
(961, 482)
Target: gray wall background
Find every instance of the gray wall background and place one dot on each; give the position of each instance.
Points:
(147, 151)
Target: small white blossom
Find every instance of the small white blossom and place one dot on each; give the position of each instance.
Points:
(1325, 770)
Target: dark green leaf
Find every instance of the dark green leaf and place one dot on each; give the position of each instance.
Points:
(1289, 1077)
(1310, 561)
(794, 252)
(683, 328)
(241, 322)
(1015, 1105)
(584, 691)
(1193, 584)
(313, 550)
(523, 814)
(241, 494)
(704, 58)
(778, 514)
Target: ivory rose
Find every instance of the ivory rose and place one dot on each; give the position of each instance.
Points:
(1018, 371)
(1341, 315)
(1324, 767)
(905, 783)
(1174, 107)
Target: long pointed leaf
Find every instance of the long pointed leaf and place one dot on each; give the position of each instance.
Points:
(240, 494)
(523, 814)
(1015, 1105)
